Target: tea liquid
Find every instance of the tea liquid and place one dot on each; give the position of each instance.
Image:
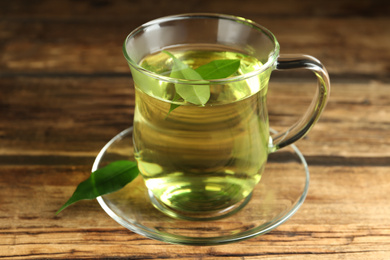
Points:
(202, 158)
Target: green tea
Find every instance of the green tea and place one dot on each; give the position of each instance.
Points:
(201, 158)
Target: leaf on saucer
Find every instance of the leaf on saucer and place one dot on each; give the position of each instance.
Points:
(105, 180)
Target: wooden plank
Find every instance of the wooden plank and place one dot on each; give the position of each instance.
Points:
(67, 120)
(333, 222)
(94, 46)
(354, 125)
(62, 116)
(122, 9)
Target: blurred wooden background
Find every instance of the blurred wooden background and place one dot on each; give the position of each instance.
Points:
(65, 90)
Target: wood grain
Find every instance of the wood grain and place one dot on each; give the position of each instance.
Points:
(339, 35)
(54, 52)
(41, 125)
(351, 220)
(65, 90)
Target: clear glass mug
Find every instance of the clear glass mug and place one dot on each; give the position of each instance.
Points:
(202, 161)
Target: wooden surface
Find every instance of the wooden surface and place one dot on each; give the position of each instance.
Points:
(65, 90)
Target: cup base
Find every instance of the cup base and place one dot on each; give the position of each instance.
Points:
(197, 216)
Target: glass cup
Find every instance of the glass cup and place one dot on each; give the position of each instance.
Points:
(201, 160)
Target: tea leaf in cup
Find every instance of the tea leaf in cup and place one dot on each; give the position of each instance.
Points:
(218, 69)
(199, 94)
(174, 106)
(195, 94)
(105, 180)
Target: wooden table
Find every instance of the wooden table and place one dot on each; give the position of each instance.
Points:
(65, 90)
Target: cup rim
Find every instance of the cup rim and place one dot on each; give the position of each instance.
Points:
(272, 57)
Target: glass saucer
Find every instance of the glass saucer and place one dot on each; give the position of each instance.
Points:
(281, 191)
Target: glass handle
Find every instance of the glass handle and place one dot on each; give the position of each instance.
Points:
(302, 127)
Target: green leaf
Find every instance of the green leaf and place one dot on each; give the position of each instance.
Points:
(105, 180)
(198, 95)
(195, 94)
(218, 69)
(174, 106)
(146, 83)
